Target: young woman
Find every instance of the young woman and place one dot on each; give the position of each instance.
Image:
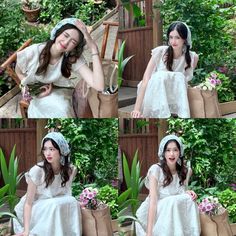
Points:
(163, 90)
(169, 209)
(57, 63)
(48, 207)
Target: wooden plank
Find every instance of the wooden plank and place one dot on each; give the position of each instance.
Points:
(10, 94)
(228, 107)
(138, 29)
(233, 228)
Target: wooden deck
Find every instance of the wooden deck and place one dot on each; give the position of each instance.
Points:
(127, 98)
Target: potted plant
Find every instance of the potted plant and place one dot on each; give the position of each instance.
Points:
(96, 219)
(130, 197)
(31, 9)
(5, 226)
(213, 218)
(11, 179)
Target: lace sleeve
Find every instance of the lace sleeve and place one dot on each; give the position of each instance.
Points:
(25, 56)
(154, 170)
(157, 54)
(36, 175)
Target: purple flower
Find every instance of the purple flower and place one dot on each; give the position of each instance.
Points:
(213, 81)
(88, 198)
(223, 69)
(233, 186)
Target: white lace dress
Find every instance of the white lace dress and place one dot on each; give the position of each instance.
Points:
(176, 215)
(166, 92)
(54, 212)
(58, 104)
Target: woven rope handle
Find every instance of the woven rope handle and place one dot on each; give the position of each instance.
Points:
(112, 79)
(85, 92)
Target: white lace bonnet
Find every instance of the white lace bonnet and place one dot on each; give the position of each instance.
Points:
(60, 140)
(65, 21)
(165, 140)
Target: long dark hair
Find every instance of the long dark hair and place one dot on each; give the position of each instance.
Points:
(181, 169)
(65, 171)
(169, 54)
(68, 59)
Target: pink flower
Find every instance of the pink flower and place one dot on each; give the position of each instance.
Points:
(213, 81)
(88, 198)
(213, 75)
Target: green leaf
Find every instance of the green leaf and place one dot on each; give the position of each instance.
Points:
(123, 196)
(4, 168)
(126, 172)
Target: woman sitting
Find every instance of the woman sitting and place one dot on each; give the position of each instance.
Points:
(53, 66)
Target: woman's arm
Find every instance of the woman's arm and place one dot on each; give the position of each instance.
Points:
(94, 78)
(19, 73)
(147, 75)
(30, 195)
(152, 205)
(46, 89)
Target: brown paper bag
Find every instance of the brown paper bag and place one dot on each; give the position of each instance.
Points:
(96, 222)
(215, 225)
(105, 105)
(80, 101)
(203, 103)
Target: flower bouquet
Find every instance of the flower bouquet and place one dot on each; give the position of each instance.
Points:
(213, 218)
(30, 90)
(210, 82)
(210, 206)
(88, 198)
(96, 218)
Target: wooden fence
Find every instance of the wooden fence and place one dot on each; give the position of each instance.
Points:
(141, 35)
(21, 133)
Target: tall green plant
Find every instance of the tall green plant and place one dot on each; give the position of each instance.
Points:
(122, 63)
(134, 183)
(3, 192)
(10, 176)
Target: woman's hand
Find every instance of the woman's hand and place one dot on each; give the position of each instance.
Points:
(46, 90)
(136, 114)
(192, 194)
(91, 44)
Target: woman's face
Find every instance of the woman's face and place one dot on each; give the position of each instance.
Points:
(175, 40)
(172, 153)
(67, 40)
(51, 154)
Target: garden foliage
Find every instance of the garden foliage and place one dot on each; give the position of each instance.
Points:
(211, 25)
(94, 147)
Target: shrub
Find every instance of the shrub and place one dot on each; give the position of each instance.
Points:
(228, 199)
(208, 23)
(108, 195)
(93, 147)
